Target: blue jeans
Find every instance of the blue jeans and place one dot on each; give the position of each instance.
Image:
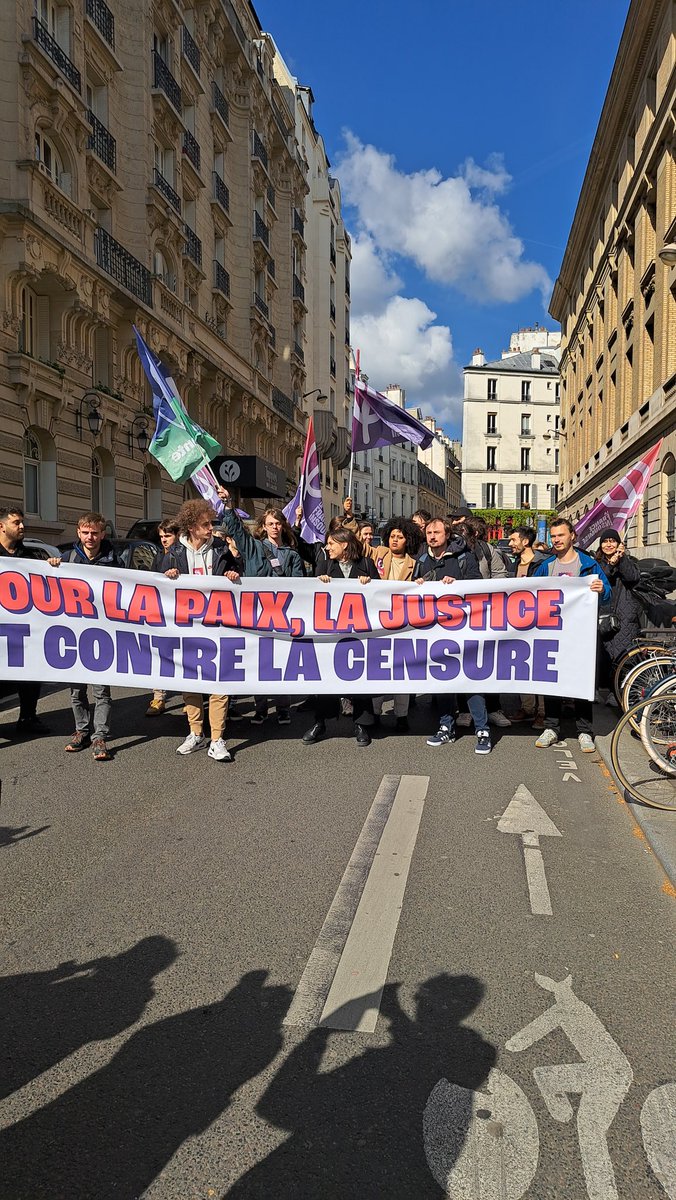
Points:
(477, 708)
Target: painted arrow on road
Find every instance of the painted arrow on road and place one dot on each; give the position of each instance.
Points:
(525, 817)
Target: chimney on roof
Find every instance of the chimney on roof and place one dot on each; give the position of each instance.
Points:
(478, 359)
(535, 360)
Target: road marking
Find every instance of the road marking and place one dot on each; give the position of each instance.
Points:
(658, 1121)
(601, 1080)
(525, 817)
(341, 986)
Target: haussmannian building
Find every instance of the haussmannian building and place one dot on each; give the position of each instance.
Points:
(616, 296)
(149, 176)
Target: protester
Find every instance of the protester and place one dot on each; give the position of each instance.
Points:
(491, 566)
(448, 558)
(12, 533)
(395, 560)
(365, 534)
(566, 560)
(344, 560)
(348, 519)
(91, 549)
(255, 554)
(623, 573)
(167, 531)
(420, 518)
(197, 552)
(526, 559)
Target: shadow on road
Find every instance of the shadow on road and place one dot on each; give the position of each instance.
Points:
(10, 836)
(112, 1134)
(357, 1130)
(46, 1015)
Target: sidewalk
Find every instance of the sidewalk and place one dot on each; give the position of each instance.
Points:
(658, 825)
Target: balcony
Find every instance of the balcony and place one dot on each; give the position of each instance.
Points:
(221, 193)
(298, 290)
(164, 81)
(122, 266)
(220, 104)
(191, 50)
(261, 231)
(221, 280)
(273, 336)
(271, 268)
(58, 56)
(332, 254)
(298, 351)
(260, 304)
(332, 367)
(283, 404)
(193, 246)
(332, 310)
(236, 24)
(164, 187)
(102, 142)
(191, 149)
(100, 16)
(298, 223)
(271, 196)
(258, 150)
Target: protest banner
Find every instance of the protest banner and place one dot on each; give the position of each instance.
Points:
(293, 636)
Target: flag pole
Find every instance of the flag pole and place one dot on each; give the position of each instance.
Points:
(357, 376)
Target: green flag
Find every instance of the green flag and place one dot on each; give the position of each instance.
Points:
(178, 444)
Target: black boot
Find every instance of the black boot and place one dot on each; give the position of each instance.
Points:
(315, 734)
(362, 736)
(402, 724)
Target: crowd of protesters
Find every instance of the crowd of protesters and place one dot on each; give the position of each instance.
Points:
(416, 550)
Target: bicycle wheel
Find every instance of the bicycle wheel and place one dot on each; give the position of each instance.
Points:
(631, 659)
(641, 777)
(643, 677)
(658, 733)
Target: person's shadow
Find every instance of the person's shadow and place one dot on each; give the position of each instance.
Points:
(357, 1130)
(46, 1015)
(112, 1134)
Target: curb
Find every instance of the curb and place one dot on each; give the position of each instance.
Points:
(658, 825)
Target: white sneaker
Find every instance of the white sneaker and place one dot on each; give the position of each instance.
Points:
(219, 751)
(464, 720)
(499, 718)
(194, 741)
(586, 743)
(546, 739)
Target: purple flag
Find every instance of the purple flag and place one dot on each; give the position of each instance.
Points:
(206, 483)
(309, 494)
(378, 422)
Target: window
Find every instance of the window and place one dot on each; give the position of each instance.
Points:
(525, 458)
(668, 482)
(525, 389)
(492, 422)
(165, 162)
(56, 20)
(51, 163)
(556, 460)
(557, 392)
(553, 494)
(28, 317)
(525, 424)
(524, 495)
(31, 475)
(380, 479)
(162, 269)
(491, 464)
(492, 393)
(490, 495)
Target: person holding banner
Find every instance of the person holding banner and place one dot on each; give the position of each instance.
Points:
(199, 553)
(344, 560)
(566, 560)
(396, 560)
(167, 531)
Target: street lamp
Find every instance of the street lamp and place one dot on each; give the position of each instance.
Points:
(667, 254)
(321, 396)
(141, 434)
(94, 418)
(554, 434)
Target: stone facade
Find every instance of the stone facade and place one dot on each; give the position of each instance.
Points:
(510, 420)
(616, 298)
(151, 177)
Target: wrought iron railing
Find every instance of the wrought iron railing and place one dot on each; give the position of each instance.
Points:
(298, 351)
(193, 245)
(260, 304)
(258, 150)
(102, 142)
(99, 13)
(191, 50)
(167, 190)
(261, 230)
(332, 367)
(221, 192)
(283, 404)
(298, 289)
(298, 223)
(221, 279)
(58, 55)
(332, 310)
(271, 268)
(332, 254)
(122, 266)
(165, 82)
(191, 149)
(220, 103)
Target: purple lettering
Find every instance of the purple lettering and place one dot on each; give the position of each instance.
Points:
(199, 659)
(348, 659)
(378, 651)
(544, 658)
(409, 658)
(267, 671)
(444, 657)
(230, 666)
(134, 656)
(513, 660)
(16, 636)
(470, 662)
(166, 648)
(302, 662)
(96, 649)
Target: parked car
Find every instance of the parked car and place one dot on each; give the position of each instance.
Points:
(43, 549)
(137, 554)
(146, 531)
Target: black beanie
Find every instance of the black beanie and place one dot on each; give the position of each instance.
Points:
(608, 534)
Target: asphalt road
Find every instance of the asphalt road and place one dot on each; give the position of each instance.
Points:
(316, 972)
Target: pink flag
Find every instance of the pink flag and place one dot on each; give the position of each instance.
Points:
(619, 504)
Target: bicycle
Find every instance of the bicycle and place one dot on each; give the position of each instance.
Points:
(642, 678)
(650, 780)
(651, 644)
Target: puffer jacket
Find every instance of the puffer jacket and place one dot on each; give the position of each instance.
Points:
(622, 577)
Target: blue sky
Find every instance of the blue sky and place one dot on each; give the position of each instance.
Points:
(460, 138)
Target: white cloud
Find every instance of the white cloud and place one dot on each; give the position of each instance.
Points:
(373, 280)
(450, 228)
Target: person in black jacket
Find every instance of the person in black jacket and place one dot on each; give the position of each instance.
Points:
(91, 549)
(12, 531)
(344, 560)
(623, 573)
(167, 531)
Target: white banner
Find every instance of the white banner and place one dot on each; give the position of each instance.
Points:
(293, 636)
